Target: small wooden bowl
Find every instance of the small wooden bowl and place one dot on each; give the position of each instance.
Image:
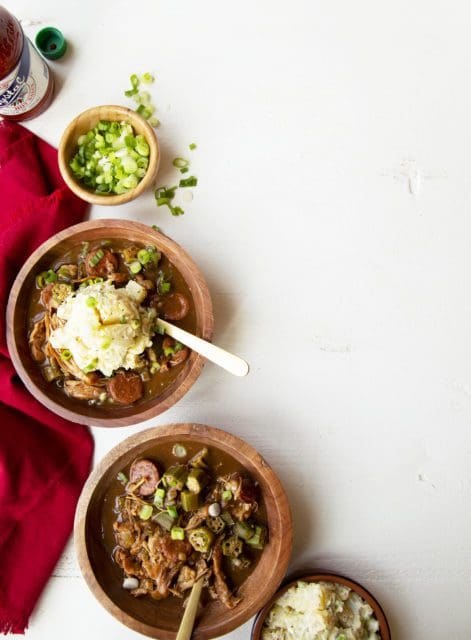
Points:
(161, 619)
(323, 576)
(19, 302)
(85, 121)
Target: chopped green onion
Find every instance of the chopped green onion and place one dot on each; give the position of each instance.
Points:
(135, 323)
(110, 157)
(192, 146)
(159, 329)
(91, 302)
(92, 366)
(154, 367)
(169, 351)
(66, 354)
(134, 81)
(177, 533)
(135, 267)
(123, 320)
(159, 497)
(49, 276)
(154, 122)
(180, 163)
(144, 256)
(192, 181)
(155, 227)
(172, 511)
(147, 78)
(122, 478)
(178, 347)
(106, 343)
(226, 496)
(177, 211)
(96, 258)
(146, 512)
(184, 170)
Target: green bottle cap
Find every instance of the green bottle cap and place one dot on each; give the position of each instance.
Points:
(51, 43)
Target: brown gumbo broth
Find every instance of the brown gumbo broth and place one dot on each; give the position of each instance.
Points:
(166, 291)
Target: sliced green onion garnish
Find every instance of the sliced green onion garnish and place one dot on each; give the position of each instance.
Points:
(172, 511)
(135, 267)
(169, 351)
(66, 354)
(135, 323)
(122, 478)
(155, 227)
(91, 302)
(147, 78)
(184, 170)
(144, 256)
(154, 122)
(180, 163)
(109, 155)
(226, 496)
(192, 181)
(162, 201)
(164, 287)
(106, 343)
(192, 146)
(91, 367)
(177, 533)
(159, 329)
(177, 211)
(146, 512)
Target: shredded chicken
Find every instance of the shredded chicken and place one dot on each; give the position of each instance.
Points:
(220, 585)
(37, 339)
(81, 390)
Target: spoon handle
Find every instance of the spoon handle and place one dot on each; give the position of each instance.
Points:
(224, 359)
(186, 625)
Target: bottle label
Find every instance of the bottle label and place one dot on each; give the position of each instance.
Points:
(25, 87)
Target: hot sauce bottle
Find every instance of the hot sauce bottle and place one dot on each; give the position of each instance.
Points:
(26, 83)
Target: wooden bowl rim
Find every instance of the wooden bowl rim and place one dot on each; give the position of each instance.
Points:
(194, 432)
(322, 575)
(106, 421)
(154, 156)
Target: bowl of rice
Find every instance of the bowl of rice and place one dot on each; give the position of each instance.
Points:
(321, 606)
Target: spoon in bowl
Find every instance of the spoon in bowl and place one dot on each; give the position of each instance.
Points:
(224, 359)
(186, 625)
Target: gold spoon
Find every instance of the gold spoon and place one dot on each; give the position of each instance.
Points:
(186, 625)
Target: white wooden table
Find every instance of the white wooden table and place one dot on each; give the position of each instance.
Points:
(333, 223)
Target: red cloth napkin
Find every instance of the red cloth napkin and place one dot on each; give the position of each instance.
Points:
(44, 460)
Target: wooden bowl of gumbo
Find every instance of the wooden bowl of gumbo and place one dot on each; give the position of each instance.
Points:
(141, 569)
(81, 322)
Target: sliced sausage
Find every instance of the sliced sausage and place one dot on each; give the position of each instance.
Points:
(106, 266)
(174, 306)
(143, 468)
(125, 387)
